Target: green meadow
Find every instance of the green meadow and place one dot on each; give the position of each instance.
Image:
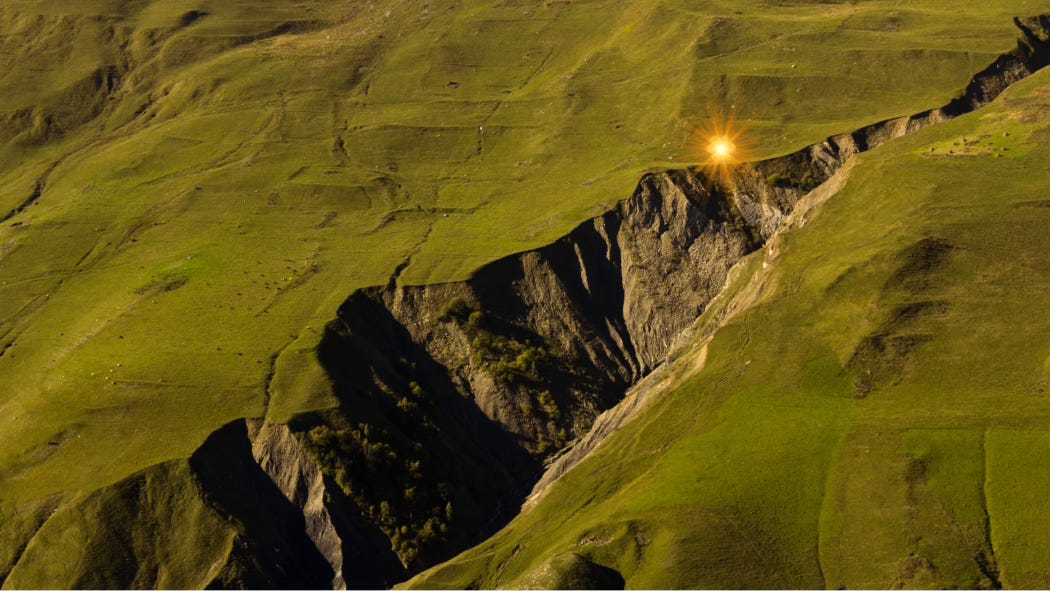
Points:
(195, 186)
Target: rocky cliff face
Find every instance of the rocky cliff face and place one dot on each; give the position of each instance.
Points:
(542, 341)
(332, 522)
(495, 374)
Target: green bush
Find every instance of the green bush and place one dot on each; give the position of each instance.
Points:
(417, 390)
(549, 406)
(778, 180)
(457, 310)
(389, 481)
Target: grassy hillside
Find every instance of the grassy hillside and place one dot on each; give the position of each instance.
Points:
(872, 414)
(194, 186)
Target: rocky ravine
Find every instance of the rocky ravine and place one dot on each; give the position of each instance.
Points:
(453, 396)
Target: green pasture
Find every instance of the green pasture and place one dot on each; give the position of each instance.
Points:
(195, 187)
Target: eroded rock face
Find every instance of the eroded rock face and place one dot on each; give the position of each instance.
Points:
(300, 480)
(472, 385)
(271, 548)
(331, 521)
(542, 341)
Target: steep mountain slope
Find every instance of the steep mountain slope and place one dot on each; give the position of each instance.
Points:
(193, 188)
(864, 406)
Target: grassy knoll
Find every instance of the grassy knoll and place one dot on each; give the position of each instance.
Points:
(196, 185)
(875, 418)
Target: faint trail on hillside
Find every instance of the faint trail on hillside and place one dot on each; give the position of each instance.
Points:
(297, 278)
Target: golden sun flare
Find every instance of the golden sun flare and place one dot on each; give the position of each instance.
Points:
(720, 147)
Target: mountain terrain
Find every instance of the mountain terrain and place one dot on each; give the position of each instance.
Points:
(357, 294)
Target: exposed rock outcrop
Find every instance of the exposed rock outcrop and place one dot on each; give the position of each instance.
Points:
(495, 374)
(272, 548)
(332, 522)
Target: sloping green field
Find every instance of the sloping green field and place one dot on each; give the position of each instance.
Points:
(194, 187)
(874, 414)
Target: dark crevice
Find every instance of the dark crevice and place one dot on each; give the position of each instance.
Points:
(987, 562)
(34, 196)
(190, 18)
